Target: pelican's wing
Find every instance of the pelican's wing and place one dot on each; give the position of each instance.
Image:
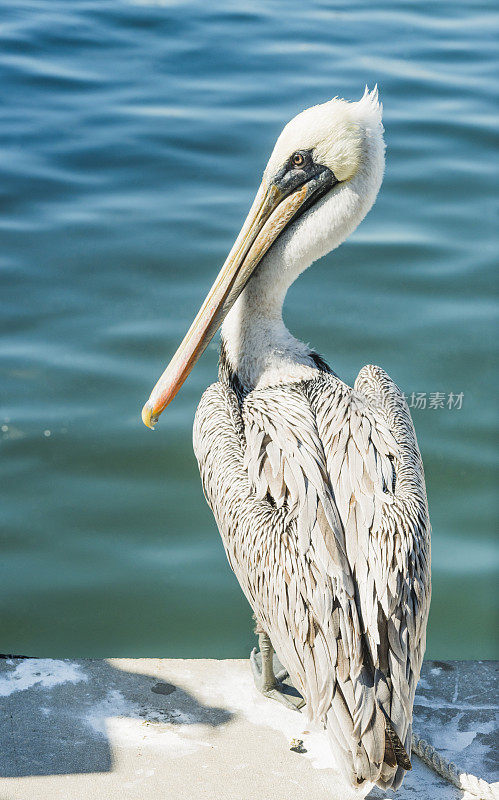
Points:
(344, 466)
(377, 478)
(312, 611)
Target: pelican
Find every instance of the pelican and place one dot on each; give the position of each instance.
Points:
(317, 488)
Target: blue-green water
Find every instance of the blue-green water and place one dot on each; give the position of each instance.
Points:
(132, 138)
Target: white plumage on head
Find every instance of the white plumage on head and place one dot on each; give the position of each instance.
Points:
(334, 131)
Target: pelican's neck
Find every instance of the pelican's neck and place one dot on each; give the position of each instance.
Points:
(258, 346)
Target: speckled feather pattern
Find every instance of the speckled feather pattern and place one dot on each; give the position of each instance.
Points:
(318, 492)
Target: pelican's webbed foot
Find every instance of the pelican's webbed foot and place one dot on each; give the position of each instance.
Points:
(271, 679)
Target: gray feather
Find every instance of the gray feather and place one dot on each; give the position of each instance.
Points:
(318, 492)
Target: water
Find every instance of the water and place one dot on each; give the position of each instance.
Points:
(133, 137)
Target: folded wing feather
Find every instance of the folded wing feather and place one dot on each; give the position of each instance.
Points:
(326, 528)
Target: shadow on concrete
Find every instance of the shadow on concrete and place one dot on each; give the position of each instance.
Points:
(55, 715)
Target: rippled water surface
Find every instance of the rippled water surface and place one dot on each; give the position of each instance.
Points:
(132, 138)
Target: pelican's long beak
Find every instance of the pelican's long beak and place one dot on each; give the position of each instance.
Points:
(275, 206)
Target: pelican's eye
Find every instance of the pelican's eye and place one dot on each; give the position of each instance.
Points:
(298, 159)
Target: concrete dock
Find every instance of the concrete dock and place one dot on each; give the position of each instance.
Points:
(198, 730)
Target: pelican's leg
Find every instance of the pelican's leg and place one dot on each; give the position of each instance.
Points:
(278, 687)
(268, 679)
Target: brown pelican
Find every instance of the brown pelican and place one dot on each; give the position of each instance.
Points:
(317, 488)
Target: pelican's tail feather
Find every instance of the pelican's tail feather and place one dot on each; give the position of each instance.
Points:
(378, 756)
(395, 752)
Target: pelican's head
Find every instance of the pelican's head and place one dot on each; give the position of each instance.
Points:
(321, 179)
(332, 135)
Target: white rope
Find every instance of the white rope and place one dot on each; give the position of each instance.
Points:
(447, 769)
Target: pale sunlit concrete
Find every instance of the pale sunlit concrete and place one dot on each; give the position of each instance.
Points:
(198, 730)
